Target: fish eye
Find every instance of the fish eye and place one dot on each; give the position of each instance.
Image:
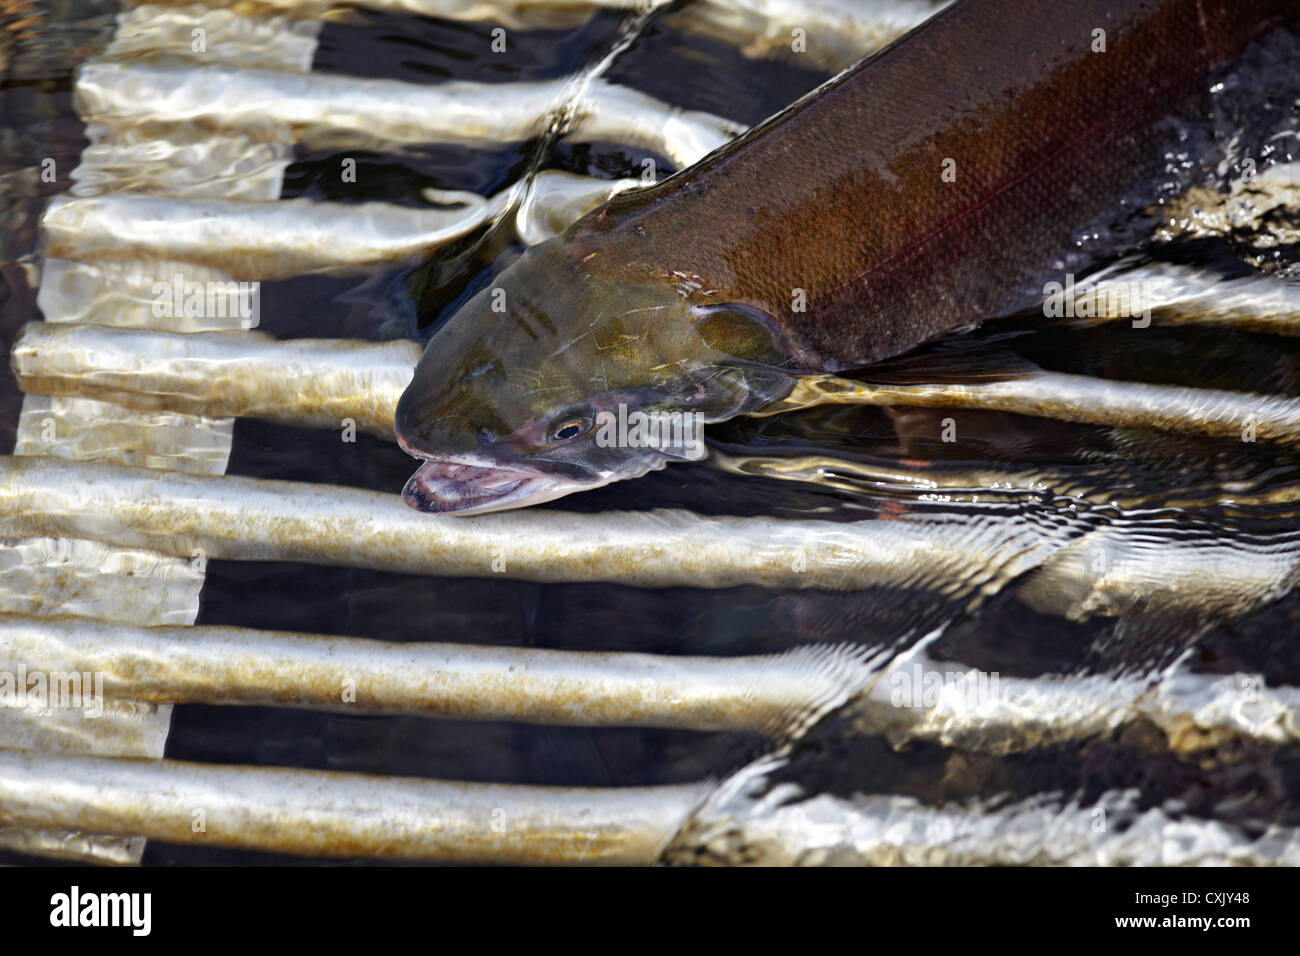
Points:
(570, 427)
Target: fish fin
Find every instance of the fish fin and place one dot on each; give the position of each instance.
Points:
(737, 329)
(752, 334)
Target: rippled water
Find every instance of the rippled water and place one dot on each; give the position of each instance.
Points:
(1083, 549)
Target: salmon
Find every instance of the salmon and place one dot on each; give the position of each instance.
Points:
(937, 184)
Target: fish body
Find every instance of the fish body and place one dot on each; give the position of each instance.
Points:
(936, 184)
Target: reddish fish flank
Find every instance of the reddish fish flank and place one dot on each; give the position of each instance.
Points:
(1043, 115)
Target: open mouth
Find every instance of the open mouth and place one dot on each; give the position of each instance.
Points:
(455, 488)
(446, 486)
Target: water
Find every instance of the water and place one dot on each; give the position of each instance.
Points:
(1159, 549)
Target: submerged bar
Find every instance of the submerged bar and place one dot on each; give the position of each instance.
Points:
(313, 382)
(947, 703)
(913, 698)
(255, 240)
(771, 694)
(1080, 570)
(737, 828)
(837, 33)
(248, 519)
(1076, 398)
(1172, 295)
(325, 814)
(345, 112)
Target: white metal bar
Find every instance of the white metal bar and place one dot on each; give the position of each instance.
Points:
(1077, 398)
(916, 698)
(913, 698)
(315, 382)
(214, 35)
(40, 575)
(836, 34)
(189, 164)
(555, 200)
(256, 240)
(316, 813)
(829, 35)
(123, 294)
(522, 14)
(774, 694)
(351, 112)
(44, 577)
(83, 429)
(1109, 570)
(1173, 295)
(249, 519)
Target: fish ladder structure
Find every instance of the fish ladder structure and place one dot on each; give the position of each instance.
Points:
(116, 498)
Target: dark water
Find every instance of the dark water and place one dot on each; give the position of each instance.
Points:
(1164, 491)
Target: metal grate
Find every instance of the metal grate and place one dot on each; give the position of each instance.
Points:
(116, 498)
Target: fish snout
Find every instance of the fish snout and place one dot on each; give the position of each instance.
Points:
(422, 429)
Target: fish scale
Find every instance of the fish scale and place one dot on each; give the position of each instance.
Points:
(1023, 107)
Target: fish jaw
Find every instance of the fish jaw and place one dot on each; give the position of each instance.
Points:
(459, 488)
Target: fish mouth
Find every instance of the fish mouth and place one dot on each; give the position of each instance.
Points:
(461, 488)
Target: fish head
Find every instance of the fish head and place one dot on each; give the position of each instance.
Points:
(559, 378)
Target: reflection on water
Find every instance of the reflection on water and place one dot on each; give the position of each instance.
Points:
(1088, 550)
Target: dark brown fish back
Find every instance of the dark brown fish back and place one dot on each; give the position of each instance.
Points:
(842, 196)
